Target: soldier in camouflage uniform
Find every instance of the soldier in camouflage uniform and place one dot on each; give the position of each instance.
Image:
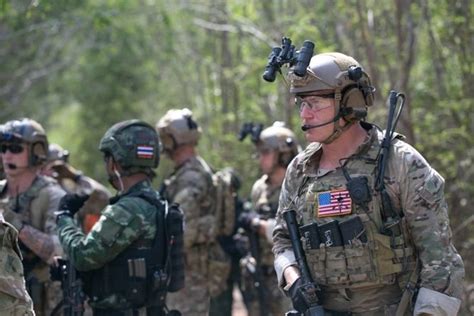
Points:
(378, 264)
(276, 147)
(29, 202)
(73, 181)
(14, 299)
(116, 254)
(190, 185)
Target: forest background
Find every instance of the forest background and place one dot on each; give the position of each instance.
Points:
(79, 66)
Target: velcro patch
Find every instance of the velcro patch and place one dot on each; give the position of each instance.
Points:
(145, 152)
(334, 203)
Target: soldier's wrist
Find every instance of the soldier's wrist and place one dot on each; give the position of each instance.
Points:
(291, 274)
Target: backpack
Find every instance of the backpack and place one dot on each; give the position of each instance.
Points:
(226, 184)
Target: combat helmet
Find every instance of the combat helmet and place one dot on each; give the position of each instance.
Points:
(177, 127)
(339, 76)
(134, 145)
(30, 132)
(57, 154)
(280, 139)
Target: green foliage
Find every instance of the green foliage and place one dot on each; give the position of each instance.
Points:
(80, 66)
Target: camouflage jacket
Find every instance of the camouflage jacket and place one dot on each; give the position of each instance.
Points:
(265, 202)
(14, 299)
(130, 219)
(36, 207)
(416, 192)
(191, 187)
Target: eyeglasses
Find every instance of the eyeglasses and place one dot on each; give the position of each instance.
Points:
(312, 102)
(13, 148)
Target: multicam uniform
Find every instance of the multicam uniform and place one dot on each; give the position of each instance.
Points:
(206, 265)
(265, 202)
(367, 278)
(37, 206)
(14, 299)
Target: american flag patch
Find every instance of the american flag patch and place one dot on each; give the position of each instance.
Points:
(145, 152)
(334, 203)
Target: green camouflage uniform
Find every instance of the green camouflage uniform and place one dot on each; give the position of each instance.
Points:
(367, 279)
(14, 299)
(265, 202)
(37, 206)
(129, 220)
(191, 187)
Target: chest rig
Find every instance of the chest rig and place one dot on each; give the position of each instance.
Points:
(346, 235)
(22, 205)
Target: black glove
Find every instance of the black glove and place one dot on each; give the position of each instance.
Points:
(297, 297)
(72, 203)
(60, 214)
(245, 220)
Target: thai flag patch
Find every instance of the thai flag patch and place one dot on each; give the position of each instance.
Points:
(145, 152)
(334, 203)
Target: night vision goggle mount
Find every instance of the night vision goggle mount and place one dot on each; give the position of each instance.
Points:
(252, 129)
(286, 54)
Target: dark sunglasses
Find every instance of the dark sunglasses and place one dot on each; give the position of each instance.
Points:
(13, 148)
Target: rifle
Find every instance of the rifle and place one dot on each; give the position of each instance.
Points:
(257, 273)
(395, 102)
(253, 265)
(309, 289)
(72, 303)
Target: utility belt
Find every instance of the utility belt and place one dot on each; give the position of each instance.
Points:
(352, 254)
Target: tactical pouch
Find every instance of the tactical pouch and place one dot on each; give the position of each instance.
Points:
(136, 289)
(175, 239)
(310, 234)
(329, 234)
(352, 229)
(359, 265)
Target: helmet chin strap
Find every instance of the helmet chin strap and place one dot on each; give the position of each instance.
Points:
(119, 179)
(116, 177)
(341, 113)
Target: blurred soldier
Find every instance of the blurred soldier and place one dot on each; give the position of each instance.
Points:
(191, 186)
(30, 201)
(372, 237)
(14, 299)
(276, 147)
(73, 181)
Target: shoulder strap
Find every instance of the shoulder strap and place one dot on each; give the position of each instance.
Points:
(159, 242)
(38, 184)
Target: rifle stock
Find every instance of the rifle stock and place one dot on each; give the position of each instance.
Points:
(309, 288)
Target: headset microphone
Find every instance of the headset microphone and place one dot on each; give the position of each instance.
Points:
(307, 127)
(359, 114)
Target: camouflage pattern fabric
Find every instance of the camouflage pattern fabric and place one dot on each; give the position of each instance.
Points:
(347, 276)
(129, 220)
(36, 207)
(14, 299)
(265, 202)
(206, 265)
